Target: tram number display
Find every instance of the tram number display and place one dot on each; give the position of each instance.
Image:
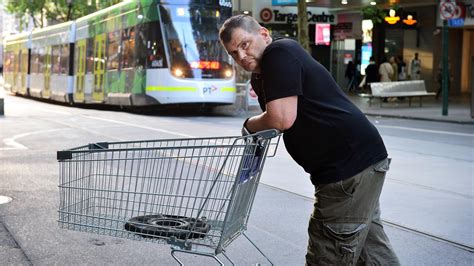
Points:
(209, 90)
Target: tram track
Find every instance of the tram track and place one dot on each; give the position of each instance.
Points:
(395, 225)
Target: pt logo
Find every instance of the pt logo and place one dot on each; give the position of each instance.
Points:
(209, 90)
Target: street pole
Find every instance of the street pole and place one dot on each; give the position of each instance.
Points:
(303, 38)
(445, 79)
(69, 7)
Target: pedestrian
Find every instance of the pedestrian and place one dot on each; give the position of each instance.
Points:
(350, 74)
(326, 134)
(371, 73)
(402, 73)
(385, 70)
(414, 68)
(393, 63)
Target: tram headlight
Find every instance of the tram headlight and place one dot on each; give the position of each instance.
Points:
(228, 73)
(178, 72)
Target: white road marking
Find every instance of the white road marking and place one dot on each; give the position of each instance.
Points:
(13, 145)
(144, 127)
(428, 131)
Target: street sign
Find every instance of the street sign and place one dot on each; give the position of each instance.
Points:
(449, 9)
(456, 22)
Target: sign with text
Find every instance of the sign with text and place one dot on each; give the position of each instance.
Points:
(271, 14)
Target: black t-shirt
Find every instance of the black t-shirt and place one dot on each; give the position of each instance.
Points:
(372, 73)
(330, 138)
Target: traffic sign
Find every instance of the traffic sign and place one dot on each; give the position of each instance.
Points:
(448, 9)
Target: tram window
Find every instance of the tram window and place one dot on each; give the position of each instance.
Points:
(128, 44)
(151, 45)
(90, 55)
(24, 61)
(64, 59)
(20, 61)
(41, 56)
(55, 59)
(113, 50)
(34, 60)
(8, 66)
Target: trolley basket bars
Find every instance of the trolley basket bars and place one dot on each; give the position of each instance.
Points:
(195, 194)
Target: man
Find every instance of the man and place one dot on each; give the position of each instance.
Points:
(371, 72)
(324, 133)
(414, 68)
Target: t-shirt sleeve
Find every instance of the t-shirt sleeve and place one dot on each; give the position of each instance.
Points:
(281, 73)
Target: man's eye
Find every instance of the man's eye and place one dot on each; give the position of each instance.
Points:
(245, 45)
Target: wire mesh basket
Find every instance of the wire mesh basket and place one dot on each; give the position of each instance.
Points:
(195, 194)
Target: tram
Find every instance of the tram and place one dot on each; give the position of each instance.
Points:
(135, 53)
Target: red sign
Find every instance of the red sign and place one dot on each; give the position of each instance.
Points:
(323, 34)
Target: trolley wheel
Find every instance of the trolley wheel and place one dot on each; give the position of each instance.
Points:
(162, 225)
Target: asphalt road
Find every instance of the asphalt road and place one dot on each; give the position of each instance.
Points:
(427, 201)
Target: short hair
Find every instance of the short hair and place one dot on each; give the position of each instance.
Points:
(245, 22)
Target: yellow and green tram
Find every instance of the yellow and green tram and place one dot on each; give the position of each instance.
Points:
(134, 53)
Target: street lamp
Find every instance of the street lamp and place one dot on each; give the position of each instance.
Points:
(69, 7)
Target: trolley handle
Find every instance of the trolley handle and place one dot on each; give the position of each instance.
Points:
(268, 135)
(265, 134)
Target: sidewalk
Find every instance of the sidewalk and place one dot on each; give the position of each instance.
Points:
(459, 109)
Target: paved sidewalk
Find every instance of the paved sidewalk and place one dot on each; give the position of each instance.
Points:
(459, 109)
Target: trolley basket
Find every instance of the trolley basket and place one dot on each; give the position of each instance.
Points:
(194, 194)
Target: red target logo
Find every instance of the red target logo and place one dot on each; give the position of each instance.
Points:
(266, 15)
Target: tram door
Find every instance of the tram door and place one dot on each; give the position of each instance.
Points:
(47, 73)
(99, 65)
(80, 71)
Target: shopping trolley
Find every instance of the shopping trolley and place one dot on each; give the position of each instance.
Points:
(194, 194)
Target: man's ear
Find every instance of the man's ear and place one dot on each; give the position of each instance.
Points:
(266, 34)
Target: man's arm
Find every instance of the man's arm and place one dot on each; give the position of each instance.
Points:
(280, 114)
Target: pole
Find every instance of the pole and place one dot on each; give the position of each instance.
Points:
(303, 37)
(445, 79)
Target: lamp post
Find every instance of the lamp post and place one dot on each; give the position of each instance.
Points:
(69, 8)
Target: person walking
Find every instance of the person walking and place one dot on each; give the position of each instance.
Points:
(402, 74)
(385, 71)
(371, 73)
(394, 65)
(326, 134)
(414, 68)
(350, 75)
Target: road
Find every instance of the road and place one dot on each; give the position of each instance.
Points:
(427, 201)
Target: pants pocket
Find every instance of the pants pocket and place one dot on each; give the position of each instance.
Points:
(345, 237)
(383, 166)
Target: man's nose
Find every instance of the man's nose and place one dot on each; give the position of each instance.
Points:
(240, 54)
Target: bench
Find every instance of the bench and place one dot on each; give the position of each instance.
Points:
(409, 89)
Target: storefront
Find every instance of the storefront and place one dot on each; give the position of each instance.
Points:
(460, 46)
(281, 20)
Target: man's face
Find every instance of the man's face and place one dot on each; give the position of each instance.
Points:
(247, 48)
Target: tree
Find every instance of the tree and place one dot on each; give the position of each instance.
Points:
(303, 37)
(56, 11)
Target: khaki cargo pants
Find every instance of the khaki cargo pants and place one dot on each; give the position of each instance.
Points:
(345, 227)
